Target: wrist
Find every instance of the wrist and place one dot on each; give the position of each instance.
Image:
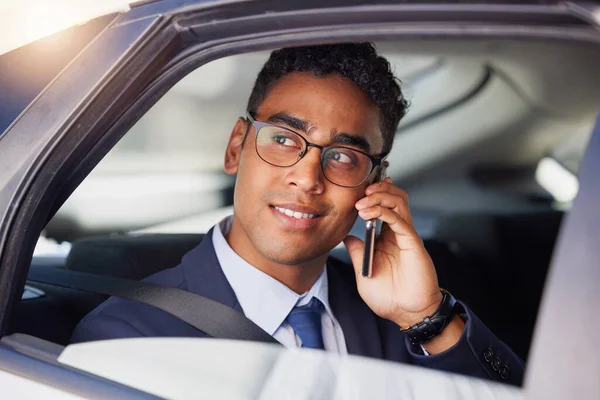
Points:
(432, 325)
(407, 319)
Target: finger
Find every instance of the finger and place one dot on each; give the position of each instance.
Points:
(394, 221)
(386, 186)
(384, 199)
(355, 248)
(388, 200)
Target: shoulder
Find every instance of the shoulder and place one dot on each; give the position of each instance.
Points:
(121, 318)
(117, 317)
(172, 277)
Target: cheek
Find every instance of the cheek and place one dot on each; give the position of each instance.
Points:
(247, 182)
(253, 181)
(345, 202)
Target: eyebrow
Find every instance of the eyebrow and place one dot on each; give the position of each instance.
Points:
(288, 120)
(352, 140)
(342, 138)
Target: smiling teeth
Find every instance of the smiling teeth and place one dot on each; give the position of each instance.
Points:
(297, 214)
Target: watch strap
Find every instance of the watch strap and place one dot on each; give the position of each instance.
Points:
(433, 324)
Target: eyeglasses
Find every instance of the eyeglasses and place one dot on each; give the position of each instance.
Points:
(282, 147)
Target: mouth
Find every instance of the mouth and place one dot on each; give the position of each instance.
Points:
(296, 216)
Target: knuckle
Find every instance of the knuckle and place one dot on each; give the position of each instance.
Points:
(399, 218)
(404, 198)
(378, 198)
(381, 186)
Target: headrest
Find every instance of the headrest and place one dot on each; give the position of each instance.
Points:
(132, 257)
(470, 232)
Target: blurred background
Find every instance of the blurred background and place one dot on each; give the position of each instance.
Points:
(491, 128)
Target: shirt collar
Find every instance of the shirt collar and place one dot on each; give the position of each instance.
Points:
(264, 300)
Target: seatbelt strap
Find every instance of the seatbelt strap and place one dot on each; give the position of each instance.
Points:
(211, 317)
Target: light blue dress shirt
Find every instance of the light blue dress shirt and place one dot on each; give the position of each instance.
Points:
(267, 302)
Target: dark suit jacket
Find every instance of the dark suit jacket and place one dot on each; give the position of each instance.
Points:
(478, 353)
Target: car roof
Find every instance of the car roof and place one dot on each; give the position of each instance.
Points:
(23, 22)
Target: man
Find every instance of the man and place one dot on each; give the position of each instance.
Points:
(320, 121)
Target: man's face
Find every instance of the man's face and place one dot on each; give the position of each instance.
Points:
(322, 110)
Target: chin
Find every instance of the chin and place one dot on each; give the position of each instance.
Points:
(291, 259)
(282, 255)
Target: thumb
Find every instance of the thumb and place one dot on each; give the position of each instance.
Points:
(355, 248)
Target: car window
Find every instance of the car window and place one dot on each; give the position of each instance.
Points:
(469, 154)
(174, 154)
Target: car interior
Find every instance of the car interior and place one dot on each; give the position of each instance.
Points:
(488, 153)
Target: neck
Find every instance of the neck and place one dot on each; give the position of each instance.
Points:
(298, 277)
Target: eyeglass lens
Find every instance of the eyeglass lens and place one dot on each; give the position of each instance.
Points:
(283, 148)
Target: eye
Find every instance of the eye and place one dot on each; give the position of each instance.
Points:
(284, 140)
(341, 157)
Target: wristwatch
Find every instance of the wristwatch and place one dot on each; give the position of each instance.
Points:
(434, 324)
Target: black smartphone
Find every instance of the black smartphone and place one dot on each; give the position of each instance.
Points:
(370, 231)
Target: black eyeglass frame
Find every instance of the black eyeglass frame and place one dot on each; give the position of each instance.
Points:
(375, 161)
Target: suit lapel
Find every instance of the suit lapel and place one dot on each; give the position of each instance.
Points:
(358, 322)
(204, 275)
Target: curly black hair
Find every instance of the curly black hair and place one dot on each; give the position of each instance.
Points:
(358, 62)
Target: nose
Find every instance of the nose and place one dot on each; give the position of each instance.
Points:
(306, 174)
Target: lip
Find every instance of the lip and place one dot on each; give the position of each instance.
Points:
(295, 223)
(300, 208)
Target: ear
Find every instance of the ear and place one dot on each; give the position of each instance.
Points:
(383, 171)
(379, 173)
(233, 153)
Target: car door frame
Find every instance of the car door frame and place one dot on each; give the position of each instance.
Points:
(564, 358)
(565, 355)
(153, 56)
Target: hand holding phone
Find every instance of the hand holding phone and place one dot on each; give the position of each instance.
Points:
(370, 231)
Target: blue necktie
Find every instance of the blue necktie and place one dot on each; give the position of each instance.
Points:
(306, 322)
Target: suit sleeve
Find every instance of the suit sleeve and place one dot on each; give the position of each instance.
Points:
(103, 327)
(477, 353)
